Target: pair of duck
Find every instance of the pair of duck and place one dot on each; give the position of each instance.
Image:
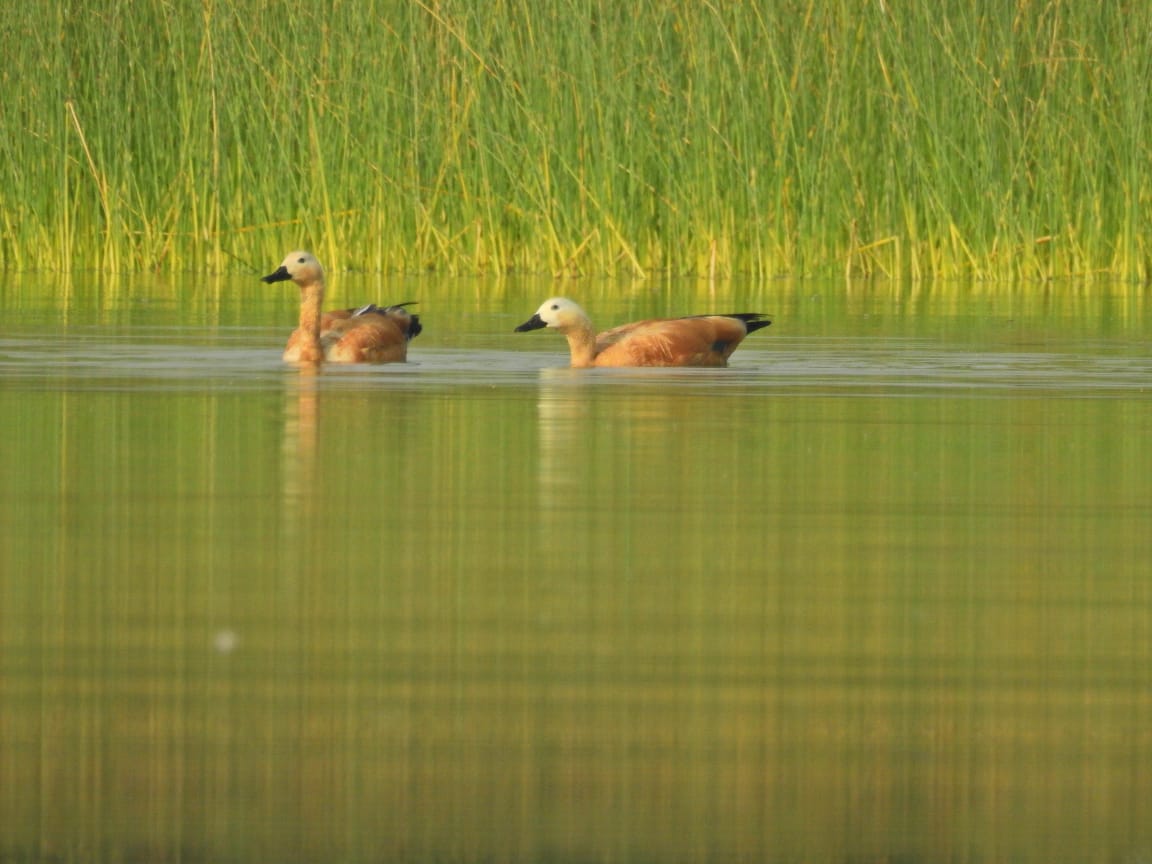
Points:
(380, 334)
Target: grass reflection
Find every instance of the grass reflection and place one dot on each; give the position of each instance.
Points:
(493, 613)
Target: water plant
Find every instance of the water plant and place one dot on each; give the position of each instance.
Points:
(580, 136)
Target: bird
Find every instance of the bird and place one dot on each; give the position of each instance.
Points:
(367, 334)
(698, 340)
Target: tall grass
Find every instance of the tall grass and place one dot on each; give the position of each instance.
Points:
(580, 136)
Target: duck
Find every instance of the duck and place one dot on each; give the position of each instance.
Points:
(697, 340)
(366, 334)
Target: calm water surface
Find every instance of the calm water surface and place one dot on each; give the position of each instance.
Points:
(881, 591)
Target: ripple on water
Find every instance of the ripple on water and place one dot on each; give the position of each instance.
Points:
(865, 367)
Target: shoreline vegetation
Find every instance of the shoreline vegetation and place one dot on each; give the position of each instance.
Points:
(582, 137)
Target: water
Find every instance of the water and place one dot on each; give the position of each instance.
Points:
(878, 592)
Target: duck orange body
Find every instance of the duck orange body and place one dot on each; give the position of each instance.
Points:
(370, 334)
(699, 340)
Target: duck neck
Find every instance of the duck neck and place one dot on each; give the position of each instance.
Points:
(311, 303)
(581, 344)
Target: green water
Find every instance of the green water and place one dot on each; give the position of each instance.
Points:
(880, 591)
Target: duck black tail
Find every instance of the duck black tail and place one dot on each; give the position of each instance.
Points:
(752, 320)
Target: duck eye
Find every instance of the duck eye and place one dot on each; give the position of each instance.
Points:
(299, 260)
(555, 307)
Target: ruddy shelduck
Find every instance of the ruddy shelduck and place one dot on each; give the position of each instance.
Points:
(369, 334)
(699, 340)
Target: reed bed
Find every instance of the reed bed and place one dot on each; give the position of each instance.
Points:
(761, 139)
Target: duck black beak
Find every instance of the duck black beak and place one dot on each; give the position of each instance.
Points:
(280, 275)
(533, 323)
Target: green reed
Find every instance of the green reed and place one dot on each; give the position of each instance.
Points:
(580, 136)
